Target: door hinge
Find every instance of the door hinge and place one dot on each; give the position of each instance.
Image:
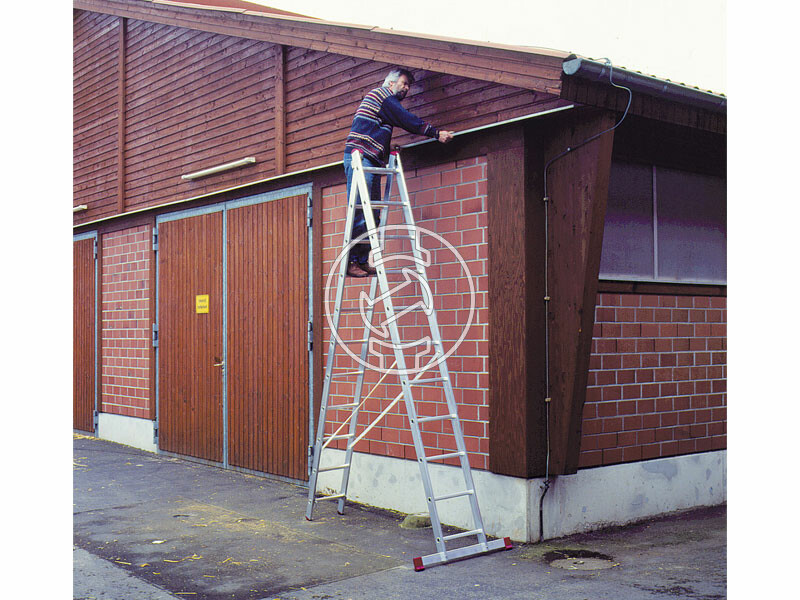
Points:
(310, 335)
(155, 431)
(95, 421)
(155, 238)
(309, 212)
(95, 248)
(155, 335)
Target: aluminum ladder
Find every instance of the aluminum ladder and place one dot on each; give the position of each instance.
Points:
(421, 258)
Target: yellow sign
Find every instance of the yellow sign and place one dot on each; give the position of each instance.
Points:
(201, 304)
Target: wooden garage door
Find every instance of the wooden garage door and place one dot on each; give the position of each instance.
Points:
(190, 319)
(84, 299)
(267, 337)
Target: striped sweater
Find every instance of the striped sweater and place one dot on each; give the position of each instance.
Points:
(378, 113)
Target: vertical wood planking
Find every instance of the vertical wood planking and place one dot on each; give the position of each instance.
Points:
(84, 299)
(578, 191)
(190, 386)
(268, 361)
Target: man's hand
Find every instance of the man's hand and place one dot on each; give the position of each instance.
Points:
(445, 136)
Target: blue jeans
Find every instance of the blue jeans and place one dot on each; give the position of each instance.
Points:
(360, 252)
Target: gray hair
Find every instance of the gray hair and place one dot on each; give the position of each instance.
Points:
(395, 74)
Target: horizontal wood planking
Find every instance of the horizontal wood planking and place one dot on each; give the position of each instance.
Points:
(320, 116)
(196, 101)
(597, 94)
(502, 65)
(95, 114)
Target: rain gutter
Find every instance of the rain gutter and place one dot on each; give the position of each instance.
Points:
(645, 84)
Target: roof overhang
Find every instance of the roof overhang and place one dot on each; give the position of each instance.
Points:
(531, 68)
(638, 82)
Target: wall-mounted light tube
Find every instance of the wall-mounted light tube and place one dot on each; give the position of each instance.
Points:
(227, 166)
(80, 207)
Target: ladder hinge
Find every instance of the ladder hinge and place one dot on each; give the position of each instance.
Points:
(310, 455)
(155, 335)
(309, 212)
(310, 335)
(155, 238)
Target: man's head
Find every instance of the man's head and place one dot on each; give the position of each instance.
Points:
(399, 81)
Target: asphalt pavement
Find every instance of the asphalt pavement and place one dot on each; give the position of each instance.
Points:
(154, 527)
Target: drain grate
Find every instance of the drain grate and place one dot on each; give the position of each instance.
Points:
(579, 560)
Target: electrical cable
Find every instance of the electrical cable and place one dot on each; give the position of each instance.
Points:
(546, 199)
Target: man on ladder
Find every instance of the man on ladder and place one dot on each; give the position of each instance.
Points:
(371, 134)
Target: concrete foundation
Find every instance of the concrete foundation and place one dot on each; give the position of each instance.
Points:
(138, 433)
(513, 507)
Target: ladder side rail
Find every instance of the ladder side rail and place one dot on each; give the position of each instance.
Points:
(364, 348)
(400, 357)
(357, 397)
(442, 363)
(320, 434)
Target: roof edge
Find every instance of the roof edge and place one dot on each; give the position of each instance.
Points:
(605, 72)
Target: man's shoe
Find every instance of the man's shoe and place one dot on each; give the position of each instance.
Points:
(354, 270)
(368, 268)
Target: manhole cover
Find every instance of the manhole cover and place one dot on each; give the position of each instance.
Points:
(579, 560)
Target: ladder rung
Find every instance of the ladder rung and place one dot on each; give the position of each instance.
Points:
(333, 497)
(398, 269)
(343, 436)
(382, 203)
(345, 374)
(462, 534)
(454, 495)
(423, 381)
(399, 237)
(334, 468)
(442, 557)
(380, 170)
(443, 456)
(436, 418)
(338, 406)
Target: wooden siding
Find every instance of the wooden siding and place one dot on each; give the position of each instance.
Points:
(194, 100)
(197, 99)
(592, 93)
(267, 329)
(578, 192)
(516, 307)
(95, 161)
(323, 91)
(519, 67)
(84, 336)
(190, 386)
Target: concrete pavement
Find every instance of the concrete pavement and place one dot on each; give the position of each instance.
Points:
(153, 527)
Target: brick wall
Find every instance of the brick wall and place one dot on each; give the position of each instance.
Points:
(449, 200)
(657, 379)
(126, 334)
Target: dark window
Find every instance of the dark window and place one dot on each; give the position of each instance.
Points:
(664, 225)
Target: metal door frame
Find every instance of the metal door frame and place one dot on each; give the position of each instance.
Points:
(224, 207)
